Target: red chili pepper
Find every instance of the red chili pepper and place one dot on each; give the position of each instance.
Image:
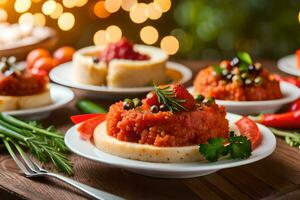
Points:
(298, 58)
(289, 120)
(290, 79)
(294, 106)
(76, 119)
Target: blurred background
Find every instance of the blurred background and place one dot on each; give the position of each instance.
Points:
(186, 29)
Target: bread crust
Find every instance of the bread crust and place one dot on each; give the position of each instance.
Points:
(144, 152)
(8, 103)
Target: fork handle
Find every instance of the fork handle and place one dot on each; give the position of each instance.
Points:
(92, 192)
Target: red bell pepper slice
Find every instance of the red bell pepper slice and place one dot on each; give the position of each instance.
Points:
(86, 128)
(76, 119)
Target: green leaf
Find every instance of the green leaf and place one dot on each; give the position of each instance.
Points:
(214, 149)
(217, 69)
(244, 57)
(243, 67)
(240, 147)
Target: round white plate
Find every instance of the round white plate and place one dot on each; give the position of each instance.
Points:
(62, 74)
(86, 149)
(288, 65)
(290, 93)
(60, 96)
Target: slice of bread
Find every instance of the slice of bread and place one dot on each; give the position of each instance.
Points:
(144, 152)
(8, 103)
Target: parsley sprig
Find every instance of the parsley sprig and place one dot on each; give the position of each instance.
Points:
(238, 147)
(45, 144)
(167, 97)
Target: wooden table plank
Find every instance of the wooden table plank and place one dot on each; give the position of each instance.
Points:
(277, 176)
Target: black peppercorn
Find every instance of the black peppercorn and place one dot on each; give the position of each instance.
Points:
(128, 105)
(96, 60)
(235, 61)
(199, 98)
(208, 101)
(251, 68)
(154, 109)
(163, 107)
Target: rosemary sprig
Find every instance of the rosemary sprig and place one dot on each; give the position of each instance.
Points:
(167, 97)
(45, 144)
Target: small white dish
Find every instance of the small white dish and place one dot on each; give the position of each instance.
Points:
(60, 96)
(290, 93)
(86, 149)
(62, 74)
(288, 65)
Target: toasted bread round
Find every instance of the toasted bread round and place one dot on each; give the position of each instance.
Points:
(35, 100)
(144, 152)
(8, 103)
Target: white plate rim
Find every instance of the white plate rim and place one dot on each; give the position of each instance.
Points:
(292, 91)
(68, 97)
(184, 70)
(259, 153)
(287, 68)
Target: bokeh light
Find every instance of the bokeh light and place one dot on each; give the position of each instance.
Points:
(299, 17)
(80, 3)
(169, 44)
(99, 38)
(26, 18)
(138, 13)
(3, 2)
(22, 5)
(149, 34)
(69, 3)
(57, 12)
(113, 34)
(3, 15)
(164, 4)
(100, 10)
(49, 7)
(128, 4)
(112, 5)
(66, 21)
(154, 11)
(39, 19)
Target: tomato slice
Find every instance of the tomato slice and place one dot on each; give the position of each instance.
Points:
(76, 119)
(86, 128)
(249, 128)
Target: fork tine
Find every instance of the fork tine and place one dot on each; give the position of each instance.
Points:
(18, 162)
(31, 165)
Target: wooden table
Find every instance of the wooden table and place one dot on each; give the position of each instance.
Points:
(276, 177)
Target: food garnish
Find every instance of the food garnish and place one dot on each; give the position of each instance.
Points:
(294, 106)
(87, 106)
(240, 69)
(291, 137)
(76, 119)
(238, 147)
(290, 79)
(87, 127)
(288, 120)
(45, 144)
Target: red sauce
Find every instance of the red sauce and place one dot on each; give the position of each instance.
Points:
(23, 84)
(122, 50)
(164, 128)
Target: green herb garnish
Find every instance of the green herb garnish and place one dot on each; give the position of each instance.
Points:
(45, 144)
(167, 97)
(244, 57)
(291, 137)
(238, 147)
(217, 69)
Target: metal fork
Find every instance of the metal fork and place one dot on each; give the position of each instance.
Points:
(31, 170)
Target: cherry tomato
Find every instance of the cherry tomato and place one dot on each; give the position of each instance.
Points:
(225, 64)
(45, 63)
(86, 128)
(249, 128)
(34, 55)
(151, 99)
(63, 54)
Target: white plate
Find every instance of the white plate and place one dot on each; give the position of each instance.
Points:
(86, 149)
(290, 93)
(60, 96)
(62, 74)
(288, 65)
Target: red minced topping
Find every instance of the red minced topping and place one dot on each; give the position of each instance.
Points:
(121, 50)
